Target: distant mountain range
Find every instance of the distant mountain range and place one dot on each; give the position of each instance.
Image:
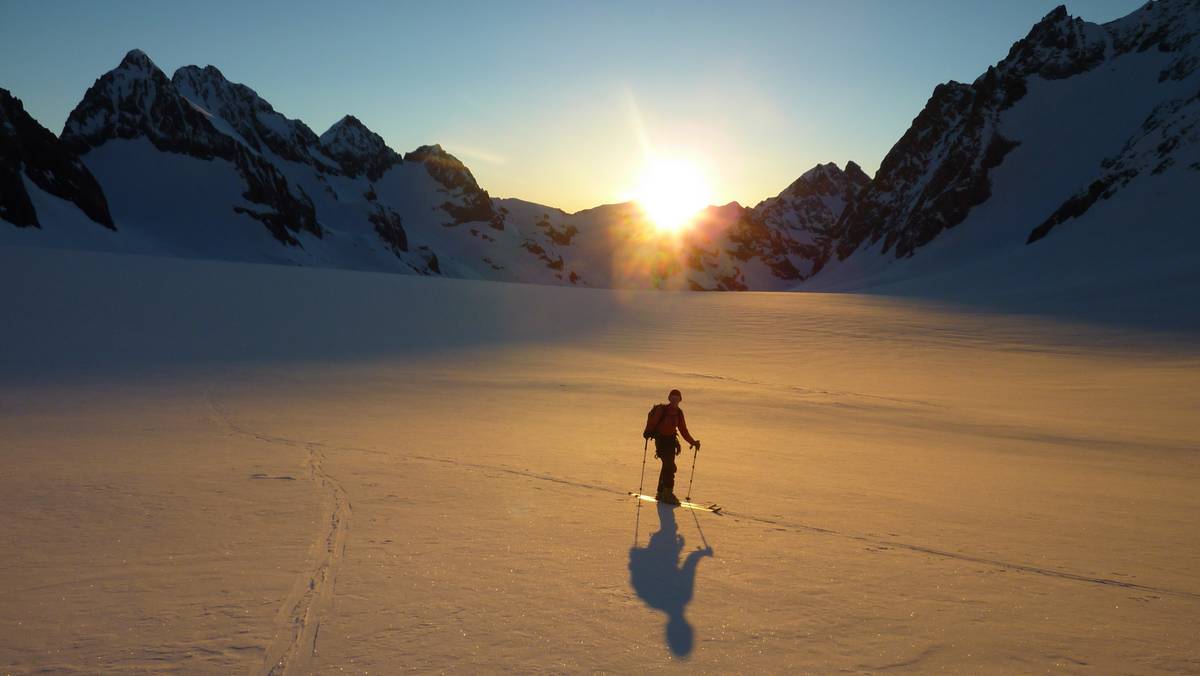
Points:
(1074, 152)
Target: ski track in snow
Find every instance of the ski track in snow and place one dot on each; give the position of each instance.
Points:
(305, 612)
(298, 622)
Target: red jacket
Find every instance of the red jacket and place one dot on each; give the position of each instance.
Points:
(668, 419)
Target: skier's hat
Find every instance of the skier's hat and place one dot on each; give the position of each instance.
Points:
(674, 393)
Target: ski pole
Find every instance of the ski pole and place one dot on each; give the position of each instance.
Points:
(642, 480)
(638, 519)
(696, 449)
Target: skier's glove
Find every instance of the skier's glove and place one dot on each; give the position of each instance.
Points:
(647, 435)
(696, 444)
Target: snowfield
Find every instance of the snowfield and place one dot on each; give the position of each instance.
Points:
(218, 467)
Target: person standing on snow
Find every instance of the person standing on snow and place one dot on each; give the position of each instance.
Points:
(663, 421)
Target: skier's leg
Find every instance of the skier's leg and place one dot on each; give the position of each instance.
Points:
(666, 475)
(671, 455)
(669, 470)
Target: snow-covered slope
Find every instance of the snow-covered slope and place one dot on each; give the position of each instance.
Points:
(226, 468)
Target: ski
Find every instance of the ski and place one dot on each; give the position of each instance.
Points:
(714, 508)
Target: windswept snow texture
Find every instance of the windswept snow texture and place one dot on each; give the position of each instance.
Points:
(216, 467)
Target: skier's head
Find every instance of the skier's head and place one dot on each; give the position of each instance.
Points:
(674, 397)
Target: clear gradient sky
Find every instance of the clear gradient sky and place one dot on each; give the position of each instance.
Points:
(543, 100)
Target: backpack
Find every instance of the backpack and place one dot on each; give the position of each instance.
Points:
(653, 418)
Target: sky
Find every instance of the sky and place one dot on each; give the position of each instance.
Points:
(556, 102)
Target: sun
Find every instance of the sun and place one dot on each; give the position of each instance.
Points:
(671, 192)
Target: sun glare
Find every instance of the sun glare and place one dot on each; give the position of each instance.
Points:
(672, 192)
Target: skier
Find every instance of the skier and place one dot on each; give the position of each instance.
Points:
(661, 424)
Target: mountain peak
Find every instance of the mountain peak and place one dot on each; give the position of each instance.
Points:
(453, 175)
(127, 101)
(136, 59)
(827, 169)
(208, 73)
(351, 121)
(251, 118)
(826, 179)
(434, 149)
(1056, 47)
(855, 172)
(350, 135)
(1055, 15)
(358, 149)
(444, 167)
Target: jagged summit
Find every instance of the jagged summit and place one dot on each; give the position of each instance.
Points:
(826, 179)
(357, 149)
(454, 176)
(1058, 46)
(136, 59)
(136, 99)
(351, 135)
(253, 120)
(444, 167)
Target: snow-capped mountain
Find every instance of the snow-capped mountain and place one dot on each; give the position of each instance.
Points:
(32, 158)
(1077, 147)
(793, 232)
(240, 113)
(134, 109)
(199, 166)
(1074, 115)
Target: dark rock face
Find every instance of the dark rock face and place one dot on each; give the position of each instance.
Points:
(535, 249)
(561, 237)
(431, 260)
(137, 100)
(476, 206)
(389, 227)
(28, 148)
(934, 175)
(473, 203)
(358, 150)
(500, 215)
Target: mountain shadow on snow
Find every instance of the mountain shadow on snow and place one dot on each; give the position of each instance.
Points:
(662, 583)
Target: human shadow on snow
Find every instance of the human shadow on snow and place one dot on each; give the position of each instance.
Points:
(662, 583)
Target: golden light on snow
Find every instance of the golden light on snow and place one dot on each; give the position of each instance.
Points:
(671, 192)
